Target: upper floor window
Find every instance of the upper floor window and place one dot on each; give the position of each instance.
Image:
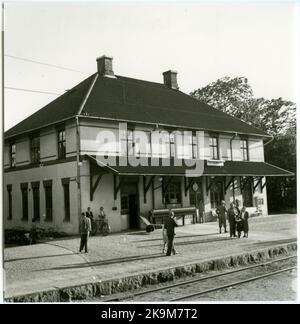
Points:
(244, 150)
(12, 155)
(194, 147)
(35, 149)
(214, 147)
(130, 143)
(61, 144)
(172, 145)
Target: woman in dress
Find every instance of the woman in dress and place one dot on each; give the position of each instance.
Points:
(245, 216)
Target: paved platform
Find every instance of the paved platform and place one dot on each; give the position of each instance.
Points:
(56, 264)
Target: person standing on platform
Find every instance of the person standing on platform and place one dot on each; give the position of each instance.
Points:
(222, 213)
(232, 213)
(89, 214)
(84, 228)
(245, 216)
(239, 224)
(201, 211)
(169, 225)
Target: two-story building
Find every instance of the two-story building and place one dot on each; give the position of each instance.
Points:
(130, 146)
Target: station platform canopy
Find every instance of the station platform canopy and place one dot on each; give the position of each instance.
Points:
(188, 168)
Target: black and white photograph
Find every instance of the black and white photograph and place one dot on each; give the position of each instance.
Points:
(149, 154)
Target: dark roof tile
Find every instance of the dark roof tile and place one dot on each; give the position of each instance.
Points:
(123, 98)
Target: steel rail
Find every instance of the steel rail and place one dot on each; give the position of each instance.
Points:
(237, 283)
(187, 282)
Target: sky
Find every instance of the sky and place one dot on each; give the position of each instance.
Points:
(202, 41)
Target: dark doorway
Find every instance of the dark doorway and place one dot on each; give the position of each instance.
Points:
(133, 211)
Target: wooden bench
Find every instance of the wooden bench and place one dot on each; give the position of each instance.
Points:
(160, 214)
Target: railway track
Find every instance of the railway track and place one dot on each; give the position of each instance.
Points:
(123, 297)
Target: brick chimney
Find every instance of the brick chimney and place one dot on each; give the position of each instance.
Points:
(104, 64)
(170, 79)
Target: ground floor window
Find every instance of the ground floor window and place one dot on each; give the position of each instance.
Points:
(196, 194)
(36, 200)
(216, 194)
(9, 192)
(67, 201)
(124, 204)
(48, 200)
(24, 190)
(172, 193)
(66, 188)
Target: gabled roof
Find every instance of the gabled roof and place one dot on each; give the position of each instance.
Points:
(63, 107)
(128, 99)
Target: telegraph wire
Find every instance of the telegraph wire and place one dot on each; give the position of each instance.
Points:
(30, 90)
(43, 63)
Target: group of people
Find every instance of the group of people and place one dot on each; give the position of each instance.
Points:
(86, 226)
(237, 218)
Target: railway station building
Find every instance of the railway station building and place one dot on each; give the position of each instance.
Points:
(131, 146)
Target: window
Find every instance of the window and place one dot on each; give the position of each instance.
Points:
(172, 145)
(24, 190)
(35, 150)
(36, 200)
(61, 144)
(130, 144)
(9, 192)
(194, 147)
(214, 147)
(173, 193)
(12, 155)
(66, 186)
(124, 204)
(244, 150)
(48, 199)
(216, 194)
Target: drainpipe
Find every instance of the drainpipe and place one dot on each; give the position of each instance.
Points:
(232, 138)
(78, 167)
(271, 140)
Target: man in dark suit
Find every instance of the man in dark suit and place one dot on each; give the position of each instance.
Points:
(222, 213)
(84, 229)
(232, 213)
(169, 225)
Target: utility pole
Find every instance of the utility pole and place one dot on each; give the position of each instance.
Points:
(1, 144)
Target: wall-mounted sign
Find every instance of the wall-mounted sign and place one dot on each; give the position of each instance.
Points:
(195, 186)
(215, 163)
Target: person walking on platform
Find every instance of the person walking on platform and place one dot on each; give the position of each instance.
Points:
(84, 228)
(169, 225)
(222, 213)
(245, 216)
(232, 213)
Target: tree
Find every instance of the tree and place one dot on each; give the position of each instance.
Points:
(276, 117)
(228, 95)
